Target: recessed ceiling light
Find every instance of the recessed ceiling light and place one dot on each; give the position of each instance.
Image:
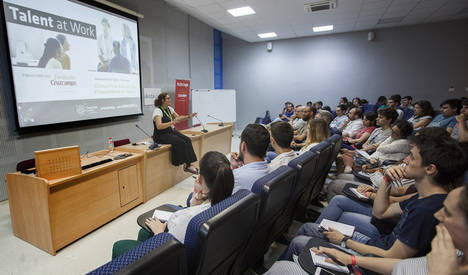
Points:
(267, 35)
(323, 28)
(241, 11)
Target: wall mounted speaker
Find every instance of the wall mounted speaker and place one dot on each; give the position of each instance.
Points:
(269, 46)
(370, 36)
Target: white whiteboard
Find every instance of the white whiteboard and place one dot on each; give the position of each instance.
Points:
(217, 103)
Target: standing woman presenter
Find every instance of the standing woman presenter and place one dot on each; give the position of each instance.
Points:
(164, 119)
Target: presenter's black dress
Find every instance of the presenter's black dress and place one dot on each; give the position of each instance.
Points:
(182, 149)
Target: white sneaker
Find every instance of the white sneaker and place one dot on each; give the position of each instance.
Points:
(348, 170)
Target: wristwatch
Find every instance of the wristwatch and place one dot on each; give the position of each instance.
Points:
(343, 241)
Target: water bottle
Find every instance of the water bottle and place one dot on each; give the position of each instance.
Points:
(110, 145)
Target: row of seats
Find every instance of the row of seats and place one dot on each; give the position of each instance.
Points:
(233, 235)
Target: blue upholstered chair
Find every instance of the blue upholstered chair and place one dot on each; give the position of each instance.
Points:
(215, 237)
(161, 254)
(275, 191)
(305, 166)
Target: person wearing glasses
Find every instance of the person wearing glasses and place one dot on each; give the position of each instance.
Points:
(164, 119)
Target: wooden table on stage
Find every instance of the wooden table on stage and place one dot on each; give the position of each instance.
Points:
(51, 214)
(160, 174)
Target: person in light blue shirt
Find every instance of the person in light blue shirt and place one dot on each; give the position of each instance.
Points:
(449, 109)
(253, 145)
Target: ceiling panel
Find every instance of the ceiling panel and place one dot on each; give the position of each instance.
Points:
(288, 19)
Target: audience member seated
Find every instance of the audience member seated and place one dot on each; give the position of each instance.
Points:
(437, 165)
(343, 100)
(281, 138)
(353, 124)
(308, 114)
(385, 118)
(328, 117)
(318, 105)
(339, 122)
(363, 135)
(381, 103)
(423, 113)
(216, 180)
(394, 102)
(317, 131)
(396, 147)
(299, 124)
(443, 258)
(253, 145)
(449, 109)
(460, 131)
(357, 102)
(406, 102)
(406, 107)
(327, 108)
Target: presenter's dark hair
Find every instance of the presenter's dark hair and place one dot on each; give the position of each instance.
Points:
(256, 138)
(388, 113)
(446, 154)
(158, 101)
(52, 49)
(283, 133)
(217, 174)
(426, 107)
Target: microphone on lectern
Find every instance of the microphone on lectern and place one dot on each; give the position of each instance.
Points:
(220, 121)
(204, 130)
(154, 145)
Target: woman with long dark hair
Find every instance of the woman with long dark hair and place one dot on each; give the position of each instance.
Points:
(164, 119)
(216, 180)
(423, 113)
(52, 51)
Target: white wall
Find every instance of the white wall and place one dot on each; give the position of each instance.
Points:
(175, 46)
(422, 61)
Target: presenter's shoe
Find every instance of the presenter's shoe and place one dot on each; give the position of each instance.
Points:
(191, 169)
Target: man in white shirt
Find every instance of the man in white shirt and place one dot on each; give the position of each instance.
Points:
(307, 114)
(299, 125)
(281, 137)
(253, 145)
(354, 123)
(340, 120)
(393, 103)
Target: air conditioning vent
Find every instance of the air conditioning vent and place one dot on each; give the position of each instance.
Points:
(390, 20)
(320, 6)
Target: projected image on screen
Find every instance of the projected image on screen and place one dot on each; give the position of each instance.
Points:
(71, 61)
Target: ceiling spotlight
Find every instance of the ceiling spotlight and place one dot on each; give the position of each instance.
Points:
(241, 11)
(267, 35)
(323, 28)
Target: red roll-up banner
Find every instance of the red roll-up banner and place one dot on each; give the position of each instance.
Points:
(182, 99)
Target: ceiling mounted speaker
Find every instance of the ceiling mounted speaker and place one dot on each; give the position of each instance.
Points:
(370, 36)
(269, 46)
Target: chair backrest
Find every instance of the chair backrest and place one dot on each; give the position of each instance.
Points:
(121, 142)
(25, 165)
(367, 108)
(325, 151)
(336, 141)
(407, 113)
(214, 238)
(275, 191)
(161, 254)
(305, 165)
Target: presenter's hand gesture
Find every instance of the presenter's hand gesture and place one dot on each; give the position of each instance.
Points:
(155, 225)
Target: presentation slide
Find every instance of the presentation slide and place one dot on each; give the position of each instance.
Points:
(71, 61)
